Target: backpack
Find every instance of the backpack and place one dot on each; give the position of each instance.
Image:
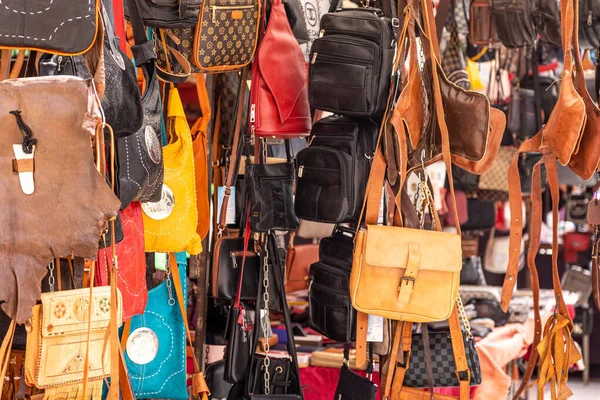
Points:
(333, 171)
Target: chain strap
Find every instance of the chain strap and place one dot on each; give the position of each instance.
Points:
(265, 320)
(169, 283)
(51, 279)
(463, 317)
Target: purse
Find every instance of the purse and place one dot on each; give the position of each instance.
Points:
(131, 274)
(219, 389)
(482, 30)
(314, 230)
(576, 208)
(472, 272)
(497, 254)
(51, 28)
(514, 22)
(270, 187)
(58, 330)
(546, 16)
(279, 99)
(240, 334)
(482, 215)
(167, 13)
(235, 45)
(298, 261)
(57, 114)
(228, 255)
(352, 386)
(575, 243)
(170, 224)
(139, 160)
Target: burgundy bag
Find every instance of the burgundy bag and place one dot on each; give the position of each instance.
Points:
(279, 96)
(461, 208)
(131, 274)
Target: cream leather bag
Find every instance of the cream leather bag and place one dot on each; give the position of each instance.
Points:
(57, 340)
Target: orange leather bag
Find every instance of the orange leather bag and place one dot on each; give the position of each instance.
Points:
(200, 158)
(298, 262)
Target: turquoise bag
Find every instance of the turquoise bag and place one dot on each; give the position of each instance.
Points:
(155, 352)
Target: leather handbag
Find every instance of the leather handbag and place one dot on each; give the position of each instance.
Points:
(168, 13)
(228, 256)
(355, 46)
(219, 389)
(279, 98)
(139, 160)
(333, 171)
(575, 243)
(352, 386)
(496, 177)
(589, 25)
(270, 187)
(482, 30)
(240, 335)
(546, 14)
(521, 113)
(50, 27)
(482, 215)
(217, 313)
(472, 272)
(231, 29)
(56, 342)
(576, 208)
(298, 262)
(56, 113)
(131, 274)
(199, 132)
(496, 254)
(170, 224)
(514, 22)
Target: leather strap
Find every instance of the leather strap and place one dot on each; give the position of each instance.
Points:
(199, 386)
(143, 50)
(236, 152)
(362, 324)
(167, 75)
(393, 358)
(240, 284)
(441, 16)
(407, 283)
(402, 366)
(596, 270)
(428, 359)
(460, 359)
(17, 65)
(5, 351)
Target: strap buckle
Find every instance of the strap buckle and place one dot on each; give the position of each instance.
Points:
(408, 279)
(395, 22)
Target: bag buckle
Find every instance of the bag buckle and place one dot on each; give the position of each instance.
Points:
(408, 279)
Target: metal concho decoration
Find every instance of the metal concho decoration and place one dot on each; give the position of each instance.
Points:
(142, 346)
(162, 208)
(154, 149)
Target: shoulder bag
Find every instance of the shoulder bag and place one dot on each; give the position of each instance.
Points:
(55, 113)
(167, 13)
(482, 30)
(351, 61)
(514, 22)
(51, 27)
(170, 224)
(589, 24)
(279, 99)
(546, 14)
(230, 29)
(56, 354)
(299, 259)
(352, 386)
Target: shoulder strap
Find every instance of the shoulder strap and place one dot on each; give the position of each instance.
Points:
(5, 351)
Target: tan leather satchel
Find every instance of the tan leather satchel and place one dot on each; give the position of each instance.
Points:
(57, 342)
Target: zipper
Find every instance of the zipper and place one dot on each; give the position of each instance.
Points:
(233, 259)
(59, 61)
(345, 39)
(252, 122)
(300, 171)
(342, 60)
(214, 10)
(326, 288)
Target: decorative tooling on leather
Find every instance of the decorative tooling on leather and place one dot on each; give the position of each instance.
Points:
(71, 203)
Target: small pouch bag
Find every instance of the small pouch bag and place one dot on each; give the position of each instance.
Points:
(352, 386)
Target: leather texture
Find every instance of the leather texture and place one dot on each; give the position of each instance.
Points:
(271, 191)
(240, 337)
(231, 30)
(333, 171)
(168, 13)
(56, 111)
(228, 255)
(199, 136)
(279, 98)
(219, 389)
(514, 22)
(351, 62)
(50, 27)
(175, 230)
(131, 274)
(546, 14)
(589, 22)
(299, 259)
(354, 387)
(482, 30)
(59, 330)
(164, 376)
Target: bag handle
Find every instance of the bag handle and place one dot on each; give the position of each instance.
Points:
(199, 386)
(167, 75)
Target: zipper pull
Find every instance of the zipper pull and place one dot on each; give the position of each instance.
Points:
(59, 60)
(214, 13)
(322, 33)
(314, 58)
(310, 285)
(300, 171)
(590, 18)
(253, 113)
(233, 260)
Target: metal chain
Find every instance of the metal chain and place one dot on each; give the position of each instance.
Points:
(265, 320)
(425, 102)
(51, 279)
(169, 283)
(463, 317)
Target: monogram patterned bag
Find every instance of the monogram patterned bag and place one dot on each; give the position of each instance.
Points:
(226, 35)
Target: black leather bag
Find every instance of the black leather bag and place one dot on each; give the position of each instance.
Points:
(219, 389)
(472, 272)
(521, 113)
(329, 309)
(239, 350)
(482, 215)
(51, 64)
(227, 260)
(139, 161)
(270, 187)
(514, 22)
(546, 16)
(217, 313)
(168, 13)
(442, 355)
(489, 308)
(351, 63)
(333, 171)
(354, 387)
(589, 24)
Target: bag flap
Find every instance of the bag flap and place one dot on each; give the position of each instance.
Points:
(66, 312)
(281, 63)
(387, 246)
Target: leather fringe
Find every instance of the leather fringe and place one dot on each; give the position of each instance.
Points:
(74, 392)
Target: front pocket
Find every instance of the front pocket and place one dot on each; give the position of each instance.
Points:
(329, 311)
(322, 192)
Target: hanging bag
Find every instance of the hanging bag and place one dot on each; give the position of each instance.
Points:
(167, 13)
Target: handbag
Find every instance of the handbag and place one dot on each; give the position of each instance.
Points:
(496, 177)
(170, 224)
(279, 99)
(240, 334)
(497, 254)
(217, 313)
(354, 46)
(50, 27)
(546, 16)
(482, 29)
(576, 208)
(453, 59)
(482, 215)
(219, 389)
(333, 171)
(55, 112)
(298, 261)
(236, 44)
(472, 272)
(575, 243)
(270, 187)
(228, 255)
(131, 274)
(139, 156)
(167, 13)
(352, 386)
(514, 22)
(56, 353)
(589, 25)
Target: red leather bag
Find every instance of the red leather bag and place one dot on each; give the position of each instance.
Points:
(279, 96)
(575, 243)
(131, 267)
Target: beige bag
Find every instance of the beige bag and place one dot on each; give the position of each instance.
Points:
(57, 336)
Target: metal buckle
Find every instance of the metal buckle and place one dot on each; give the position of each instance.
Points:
(395, 22)
(409, 279)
